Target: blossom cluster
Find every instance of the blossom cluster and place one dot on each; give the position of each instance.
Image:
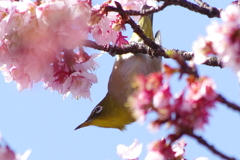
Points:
(187, 109)
(157, 150)
(37, 44)
(223, 40)
(43, 42)
(6, 153)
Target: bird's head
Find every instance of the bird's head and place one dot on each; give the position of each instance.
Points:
(109, 114)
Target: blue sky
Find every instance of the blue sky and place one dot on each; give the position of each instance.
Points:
(42, 121)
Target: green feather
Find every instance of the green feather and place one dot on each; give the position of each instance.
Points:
(145, 24)
(112, 111)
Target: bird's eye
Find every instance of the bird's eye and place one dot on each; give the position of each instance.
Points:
(98, 109)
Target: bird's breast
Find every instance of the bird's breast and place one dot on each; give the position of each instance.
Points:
(125, 68)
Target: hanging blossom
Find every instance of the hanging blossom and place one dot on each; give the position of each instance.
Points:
(39, 43)
(157, 150)
(161, 150)
(189, 108)
(130, 153)
(6, 153)
(100, 25)
(223, 40)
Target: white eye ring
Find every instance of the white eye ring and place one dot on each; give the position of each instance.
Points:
(98, 109)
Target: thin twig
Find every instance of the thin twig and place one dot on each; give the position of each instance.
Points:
(210, 147)
(209, 11)
(147, 11)
(231, 105)
(137, 13)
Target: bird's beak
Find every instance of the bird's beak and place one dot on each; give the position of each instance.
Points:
(84, 124)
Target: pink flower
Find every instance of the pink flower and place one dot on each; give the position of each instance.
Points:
(204, 87)
(162, 98)
(118, 24)
(230, 14)
(38, 43)
(121, 40)
(141, 101)
(79, 84)
(22, 79)
(223, 40)
(133, 4)
(193, 110)
(159, 150)
(24, 156)
(154, 126)
(130, 153)
(178, 148)
(190, 108)
(6, 153)
(202, 48)
(102, 31)
(72, 74)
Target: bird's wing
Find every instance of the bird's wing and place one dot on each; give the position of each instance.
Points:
(125, 68)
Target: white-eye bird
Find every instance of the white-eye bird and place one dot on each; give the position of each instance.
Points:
(112, 111)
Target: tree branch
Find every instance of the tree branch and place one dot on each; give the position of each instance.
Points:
(155, 49)
(203, 8)
(137, 48)
(184, 67)
(233, 106)
(137, 13)
(210, 147)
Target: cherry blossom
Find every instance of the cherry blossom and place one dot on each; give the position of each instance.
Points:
(222, 40)
(188, 108)
(178, 148)
(121, 39)
(101, 22)
(133, 4)
(202, 48)
(161, 150)
(40, 43)
(106, 26)
(79, 84)
(143, 99)
(130, 153)
(157, 150)
(6, 153)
